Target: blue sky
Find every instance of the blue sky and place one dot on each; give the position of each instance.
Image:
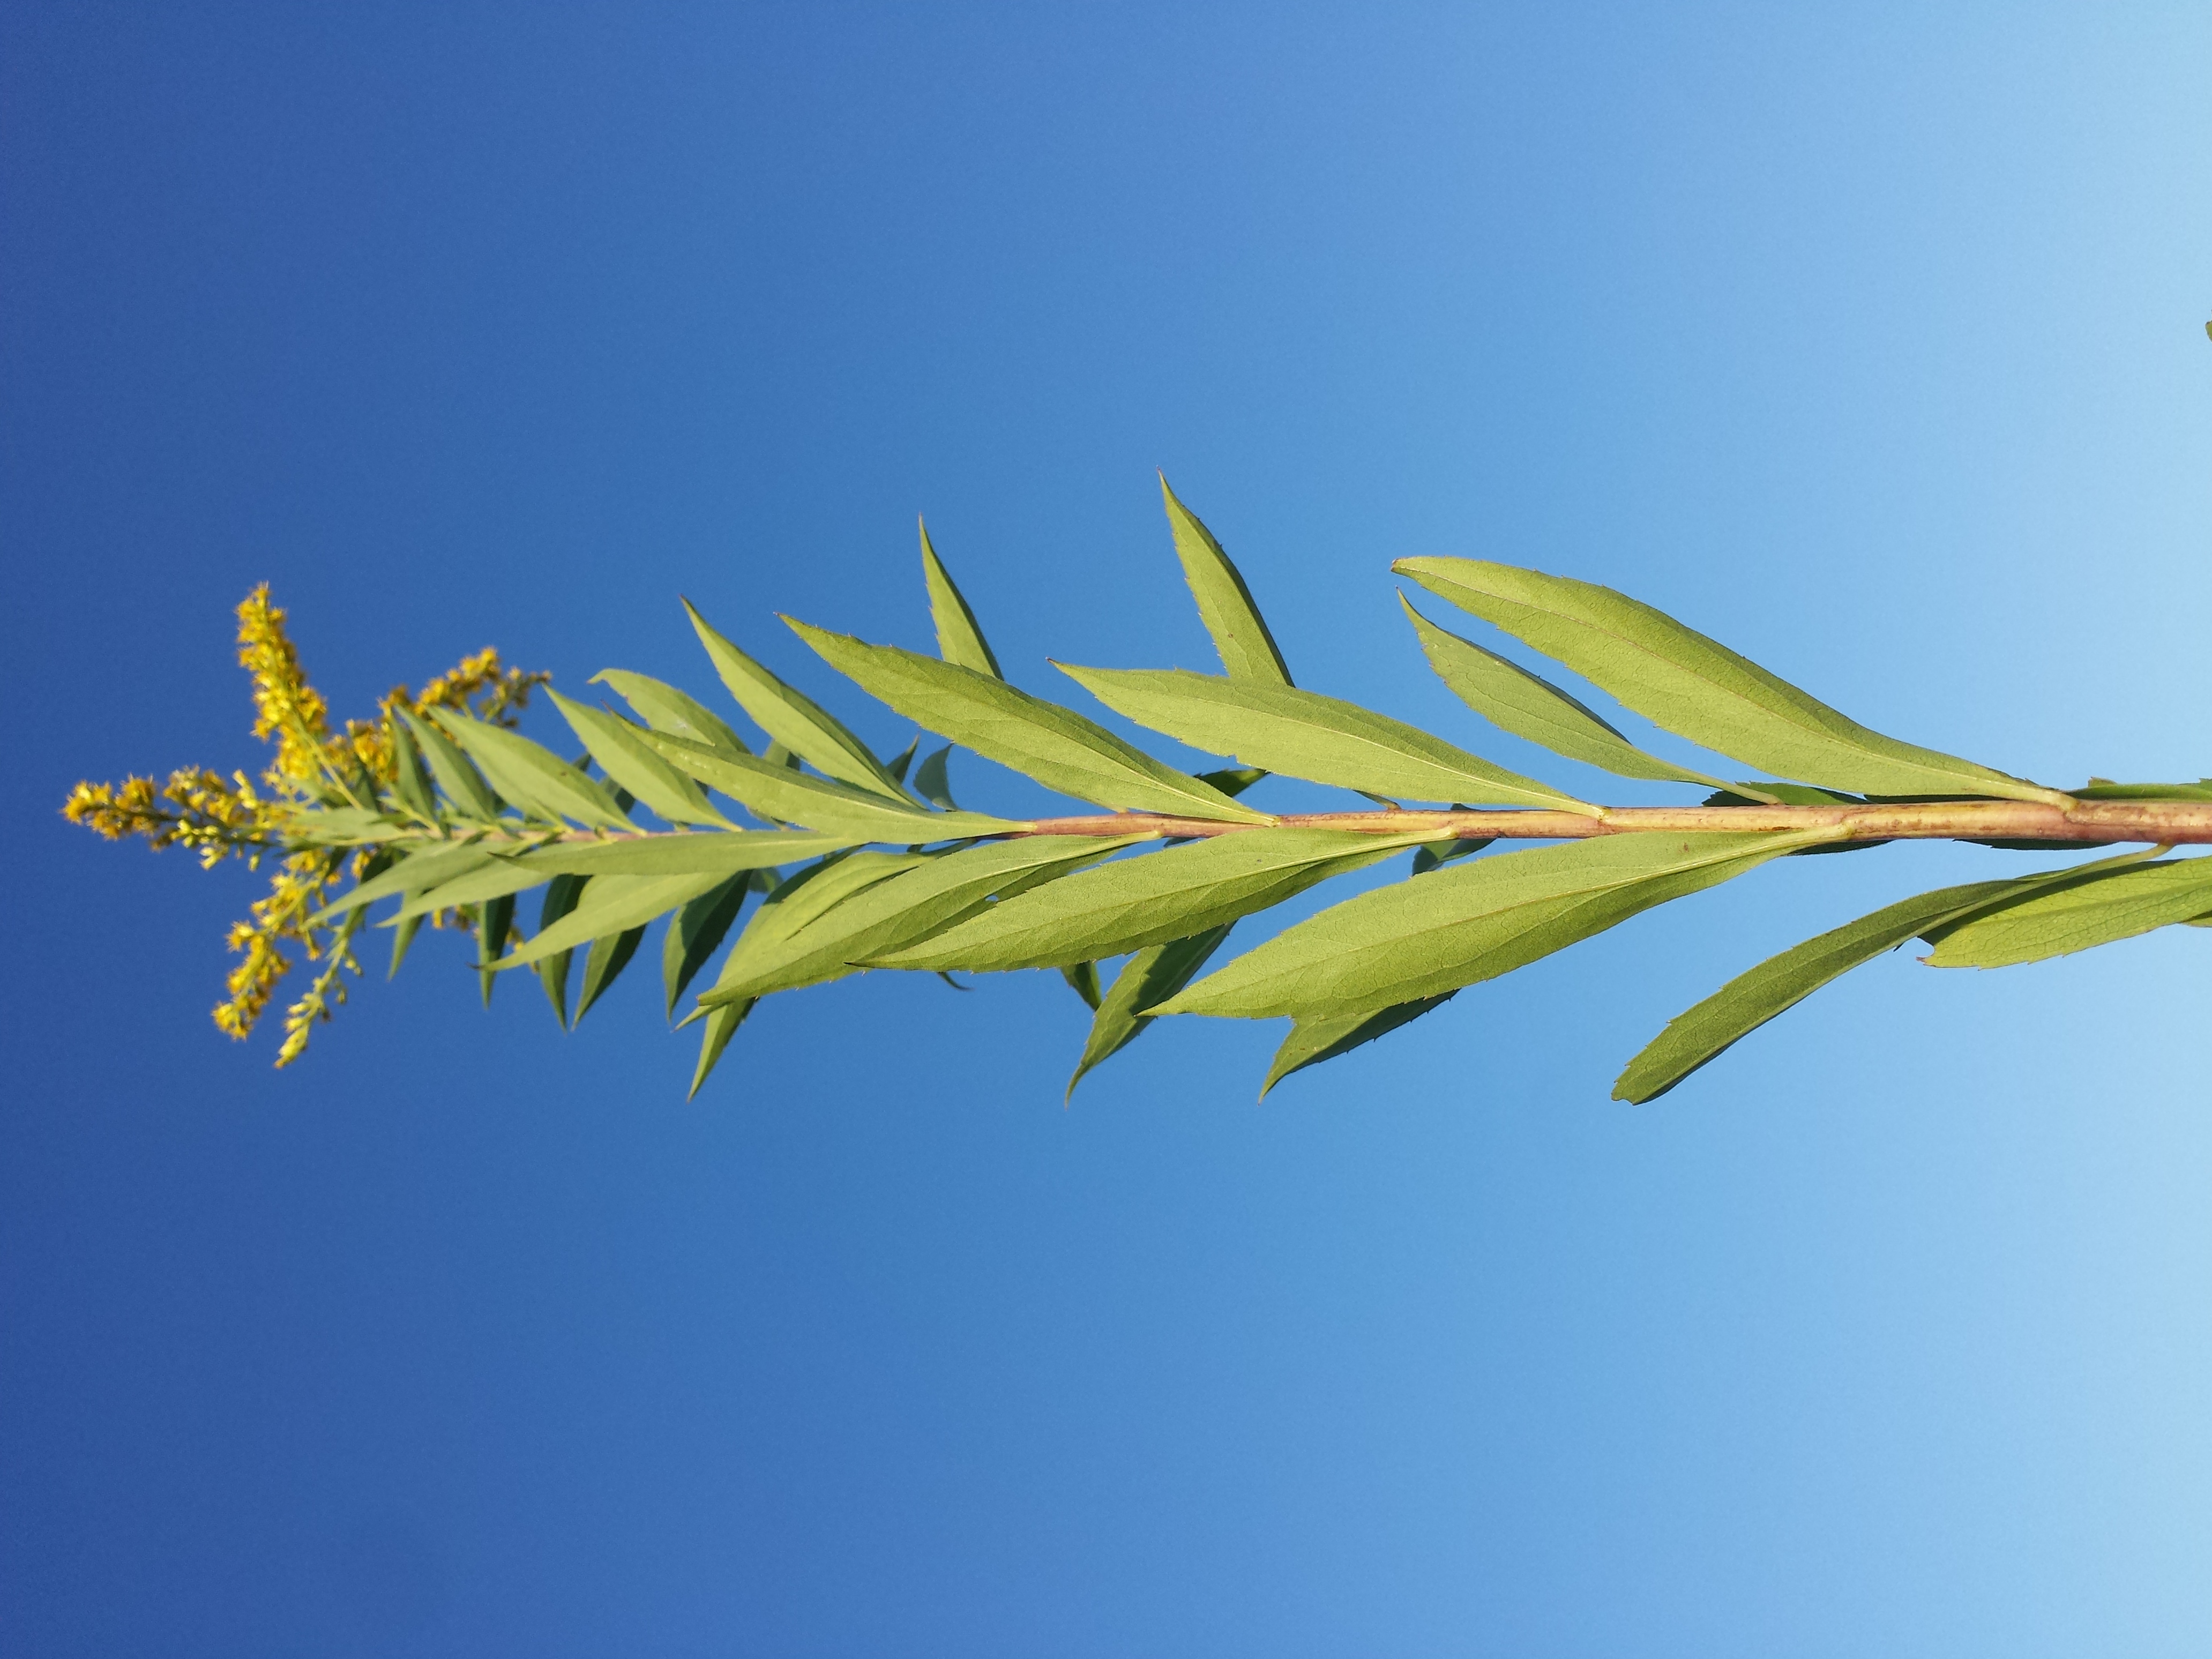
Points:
(1867, 340)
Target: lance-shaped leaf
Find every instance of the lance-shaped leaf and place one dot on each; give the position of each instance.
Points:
(833, 808)
(627, 758)
(697, 932)
(1426, 859)
(1056, 746)
(611, 905)
(2102, 789)
(930, 781)
(1747, 1002)
(609, 954)
(959, 639)
(721, 1025)
(402, 937)
(1313, 1039)
(494, 926)
(438, 861)
(2078, 916)
(903, 909)
(1304, 734)
(795, 720)
(410, 781)
(531, 776)
(709, 855)
(466, 789)
(1453, 928)
(1152, 975)
(1131, 904)
(665, 708)
(800, 898)
(1248, 650)
(561, 896)
(496, 880)
(1698, 689)
(1528, 706)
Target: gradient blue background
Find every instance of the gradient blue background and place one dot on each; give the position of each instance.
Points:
(1867, 339)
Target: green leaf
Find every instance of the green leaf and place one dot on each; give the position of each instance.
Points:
(402, 937)
(930, 781)
(900, 761)
(697, 932)
(410, 781)
(1747, 1002)
(1082, 978)
(959, 640)
(1152, 975)
(1426, 859)
(1511, 698)
(795, 720)
(711, 853)
(499, 879)
(1302, 734)
(1248, 650)
(531, 776)
(1233, 781)
(665, 708)
(2101, 790)
(1456, 926)
(627, 758)
(1134, 903)
(787, 796)
(802, 897)
(721, 1025)
(495, 924)
(1056, 746)
(1313, 1040)
(561, 896)
(438, 861)
(2079, 916)
(610, 954)
(466, 792)
(611, 904)
(1700, 690)
(907, 906)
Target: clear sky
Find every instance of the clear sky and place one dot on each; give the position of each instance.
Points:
(1868, 340)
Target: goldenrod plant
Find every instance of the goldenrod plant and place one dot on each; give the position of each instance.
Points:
(441, 809)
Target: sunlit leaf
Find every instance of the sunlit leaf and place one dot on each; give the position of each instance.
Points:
(712, 854)
(627, 759)
(801, 897)
(2078, 916)
(611, 905)
(665, 708)
(906, 907)
(1152, 975)
(1134, 903)
(466, 792)
(410, 781)
(1247, 649)
(531, 776)
(1056, 746)
(775, 793)
(1698, 688)
(959, 639)
(1302, 734)
(438, 861)
(1314, 1039)
(794, 718)
(1472, 923)
(1511, 698)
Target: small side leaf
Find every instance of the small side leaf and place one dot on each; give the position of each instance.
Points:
(959, 640)
(561, 896)
(611, 905)
(1248, 650)
(697, 932)
(930, 781)
(1056, 746)
(466, 792)
(665, 708)
(721, 1025)
(627, 759)
(610, 954)
(495, 925)
(1301, 734)
(531, 776)
(1152, 975)
(786, 796)
(794, 718)
(2078, 916)
(1314, 1039)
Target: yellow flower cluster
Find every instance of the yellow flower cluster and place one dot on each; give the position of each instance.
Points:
(216, 816)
